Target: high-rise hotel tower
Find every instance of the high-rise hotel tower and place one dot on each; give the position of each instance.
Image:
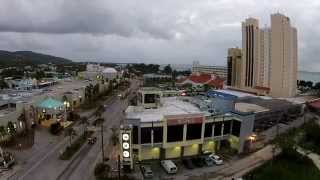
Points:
(269, 58)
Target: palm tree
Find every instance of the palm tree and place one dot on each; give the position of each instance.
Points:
(84, 122)
(70, 132)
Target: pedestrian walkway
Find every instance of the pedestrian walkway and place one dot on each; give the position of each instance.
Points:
(313, 156)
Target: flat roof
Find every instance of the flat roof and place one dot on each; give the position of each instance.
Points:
(247, 107)
(240, 94)
(170, 106)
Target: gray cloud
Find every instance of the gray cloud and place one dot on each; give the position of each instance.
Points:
(167, 31)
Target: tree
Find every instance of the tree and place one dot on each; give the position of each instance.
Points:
(12, 129)
(70, 132)
(101, 171)
(167, 69)
(3, 84)
(206, 87)
(84, 122)
(3, 131)
(309, 84)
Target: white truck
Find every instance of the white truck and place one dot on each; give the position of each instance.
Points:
(169, 166)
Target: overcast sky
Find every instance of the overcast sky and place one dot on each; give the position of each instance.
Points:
(151, 31)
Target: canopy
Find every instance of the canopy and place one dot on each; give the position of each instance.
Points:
(50, 103)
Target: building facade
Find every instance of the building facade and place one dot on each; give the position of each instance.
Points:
(283, 64)
(175, 127)
(234, 67)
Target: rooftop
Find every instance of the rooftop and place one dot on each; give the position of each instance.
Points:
(170, 106)
(246, 107)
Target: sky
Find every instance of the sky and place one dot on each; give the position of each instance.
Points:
(149, 31)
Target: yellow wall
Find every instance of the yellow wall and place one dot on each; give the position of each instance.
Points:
(149, 153)
(191, 150)
(174, 152)
(234, 142)
(208, 146)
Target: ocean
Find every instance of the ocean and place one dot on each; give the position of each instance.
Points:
(309, 76)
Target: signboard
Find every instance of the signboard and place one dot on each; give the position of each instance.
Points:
(184, 120)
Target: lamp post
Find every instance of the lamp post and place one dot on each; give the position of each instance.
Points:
(66, 106)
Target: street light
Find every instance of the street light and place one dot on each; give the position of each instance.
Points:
(66, 106)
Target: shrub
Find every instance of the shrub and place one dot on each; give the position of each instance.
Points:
(55, 128)
(101, 171)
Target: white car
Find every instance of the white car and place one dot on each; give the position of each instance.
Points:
(216, 159)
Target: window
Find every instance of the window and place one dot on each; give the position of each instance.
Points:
(236, 126)
(217, 128)
(194, 131)
(135, 135)
(208, 130)
(157, 134)
(145, 135)
(226, 127)
(175, 133)
(149, 98)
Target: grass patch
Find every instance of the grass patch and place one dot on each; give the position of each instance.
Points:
(293, 167)
(75, 146)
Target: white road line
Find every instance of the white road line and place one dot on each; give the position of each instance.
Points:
(40, 161)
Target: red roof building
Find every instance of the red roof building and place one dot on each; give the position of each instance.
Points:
(201, 79)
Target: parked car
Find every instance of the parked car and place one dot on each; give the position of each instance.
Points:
(208, 161)
(146, 171)
(187, 163)
(216, 159)
(169, 166)
(92, 140)
(7, 160)
(198, 162)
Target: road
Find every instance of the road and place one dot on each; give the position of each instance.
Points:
(46, 164)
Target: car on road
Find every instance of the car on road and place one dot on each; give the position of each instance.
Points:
(198, 161)
(187, 163)
(208, 161)
(169, 166)
(146, 171)
(92, 140)
(216, 159)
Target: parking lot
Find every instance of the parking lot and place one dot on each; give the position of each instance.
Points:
(184, 172)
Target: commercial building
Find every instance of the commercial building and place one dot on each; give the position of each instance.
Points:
(269, 58)
(221, 71)
(174, 127)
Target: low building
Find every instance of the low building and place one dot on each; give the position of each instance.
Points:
(97, 72)
(174, 127)
(199, 80)
(221, 71)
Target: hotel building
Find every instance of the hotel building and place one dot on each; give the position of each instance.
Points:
(269, 58)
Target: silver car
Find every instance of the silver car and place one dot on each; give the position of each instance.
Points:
(146, 171)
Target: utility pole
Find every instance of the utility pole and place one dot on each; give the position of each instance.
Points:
(119, 174)
(102, 143)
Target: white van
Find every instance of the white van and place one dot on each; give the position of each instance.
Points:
(169, 166)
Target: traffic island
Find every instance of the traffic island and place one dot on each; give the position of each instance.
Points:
(75, 146)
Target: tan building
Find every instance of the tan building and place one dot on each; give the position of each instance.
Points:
(284, 57)
(269, 58)
(250, 53)
(234, 67)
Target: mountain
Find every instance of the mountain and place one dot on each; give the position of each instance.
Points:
(24, 58)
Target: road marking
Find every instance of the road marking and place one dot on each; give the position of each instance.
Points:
(40, 161)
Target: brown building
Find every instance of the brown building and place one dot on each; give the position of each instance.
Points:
(234, 67)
